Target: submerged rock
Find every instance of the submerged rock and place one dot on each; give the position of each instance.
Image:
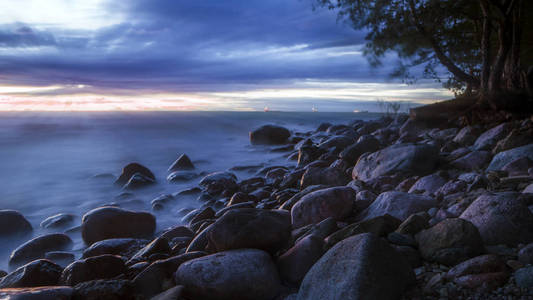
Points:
(129, 170)
(37, 248)
(182, 163)
(111, 222)
(269, 135)
(59, 220)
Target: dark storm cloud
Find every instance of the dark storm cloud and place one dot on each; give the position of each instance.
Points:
(191, 45)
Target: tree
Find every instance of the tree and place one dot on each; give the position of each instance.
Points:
(479, 42)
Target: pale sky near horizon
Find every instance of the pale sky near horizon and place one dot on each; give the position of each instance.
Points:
(190, 55)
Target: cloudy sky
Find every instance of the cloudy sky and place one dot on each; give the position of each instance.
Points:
(189, 55)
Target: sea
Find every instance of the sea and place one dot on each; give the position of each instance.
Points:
(62, 162)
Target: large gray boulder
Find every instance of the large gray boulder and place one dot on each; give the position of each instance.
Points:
(112, 222)
(503, 158)
(488, 139)
(501, 219)
(359, 267)
(336, 202)
(264, 229)
(397, 204)
(237, 274)
(404, 159)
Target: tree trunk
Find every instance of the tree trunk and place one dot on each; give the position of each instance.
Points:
(512, 70)
(485, 47)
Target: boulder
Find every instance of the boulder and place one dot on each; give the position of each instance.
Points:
(501, 219)
(108, 289)
(518, 167)
(466, 136)
(294, 264)
(182, 163)
(503, 158)
(268, 230)
(57, 221)
(525, 255)
(269, 135)
(476, 160)
(179, 176)
(38, 293)
(397, 204)
(524, 277)
(327, 176)
(112, 222)
(39, 272)
(428, 185)
(158, 276)
(485, 272)
(336, 202)
(450, 242)
(516, 138)
(98, 267)
(133, 168)
(379, 226)
(37, 247)
(366, 143)
(173, 293)
(404, 159)
(235, 274)
(488, 139)
(137, 181)
(120, 247)
(359, 267)
(217, 182)
(13, 223)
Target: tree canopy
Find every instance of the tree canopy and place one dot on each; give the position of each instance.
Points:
(485, 45)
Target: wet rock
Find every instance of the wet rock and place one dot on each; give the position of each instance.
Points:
(488, 139)
(323, 127)
(177, 231)
(182, 163)
(338, 141)
(397, 204)
(360, 267)
(236, 274)
(37, 247)
(404, 159)
(294, 264)
(134, 168)
(98, 267)
(336, 202)
(159, 245)
(39, 272)
(104, 289)
(501, 159)
(180, 176)
(326, 176)
(199, 242)
(524, 277)
(13, 223)
(204, 214)
(61, 258)
(501, 219)
(449, 242)
(59, 220)
(111, 222)
(159, 275)
(269, 135)
(239, 197)
(428, 185)
(287, 205)
(268, 230)
(366, 143)
(476, 160)
(121, 247)
(217, 182)
(138, 180)
(379, 226)
(307, 154)
(38, 293)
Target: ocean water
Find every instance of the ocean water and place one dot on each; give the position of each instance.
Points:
(48, 160)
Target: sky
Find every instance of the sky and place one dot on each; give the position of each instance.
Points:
(190, 55)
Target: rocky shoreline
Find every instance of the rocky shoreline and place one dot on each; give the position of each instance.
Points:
(383, 209)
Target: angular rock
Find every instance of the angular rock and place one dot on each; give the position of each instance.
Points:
(403, 159)
(449, 242)
(397, 204)
(137, 181)
(98, 267)
(360, 267)
(112, 222)
(336, 202)
(129, 170)
(268, 230)
(466, 136)
(37, 247)
(182, 163)
(269, 135)
(39, 272)
(501, 219)
(13, 223)
(237, 274)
